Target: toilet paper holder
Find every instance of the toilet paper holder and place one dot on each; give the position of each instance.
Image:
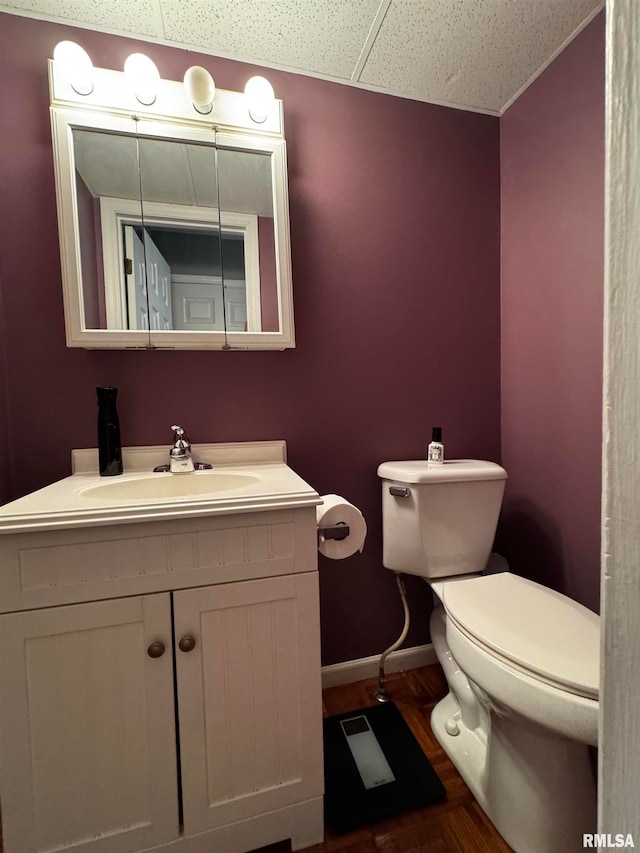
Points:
(339, 530)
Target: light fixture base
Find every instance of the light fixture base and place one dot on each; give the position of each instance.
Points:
(258, 117)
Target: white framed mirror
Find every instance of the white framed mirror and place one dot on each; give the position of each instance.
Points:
(174, 232)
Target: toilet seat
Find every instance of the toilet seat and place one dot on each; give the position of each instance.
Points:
(528, 627)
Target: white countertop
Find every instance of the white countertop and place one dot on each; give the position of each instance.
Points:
(67, 504)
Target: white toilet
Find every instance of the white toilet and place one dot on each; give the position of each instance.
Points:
(521, 661)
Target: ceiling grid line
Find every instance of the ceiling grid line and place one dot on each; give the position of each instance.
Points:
(160, 18)
(383, 8)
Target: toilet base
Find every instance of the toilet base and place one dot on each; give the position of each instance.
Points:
(536, 788)
(467, 751)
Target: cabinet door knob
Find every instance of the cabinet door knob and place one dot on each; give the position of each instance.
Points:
(156, 650)
(187, 644)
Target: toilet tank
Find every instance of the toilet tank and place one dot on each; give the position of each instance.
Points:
(439, 520)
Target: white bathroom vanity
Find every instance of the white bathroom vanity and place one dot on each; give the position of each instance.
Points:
(160, 658)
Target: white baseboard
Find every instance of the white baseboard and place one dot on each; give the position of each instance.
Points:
(357, 670)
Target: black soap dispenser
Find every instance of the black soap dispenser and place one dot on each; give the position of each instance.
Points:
(109, 445)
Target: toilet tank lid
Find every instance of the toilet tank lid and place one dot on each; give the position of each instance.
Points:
(452, 470)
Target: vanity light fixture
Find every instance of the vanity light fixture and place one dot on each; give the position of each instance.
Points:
(143, 76)
(75, 65)
(260, 98)
(200, 88)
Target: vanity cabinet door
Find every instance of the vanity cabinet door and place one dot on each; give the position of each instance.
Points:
(87, 727)
(249, 698)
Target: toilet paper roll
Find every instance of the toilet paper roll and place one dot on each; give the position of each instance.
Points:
(333, 510)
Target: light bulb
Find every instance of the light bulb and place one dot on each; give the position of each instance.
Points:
(260, 98)
(143, 76)
(75, 66)
(200, 88)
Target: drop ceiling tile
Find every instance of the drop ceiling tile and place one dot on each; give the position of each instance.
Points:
(469, 53)
(135, 17)
(323, 38)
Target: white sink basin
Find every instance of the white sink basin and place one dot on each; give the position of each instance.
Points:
(161, 486)
(246, 477)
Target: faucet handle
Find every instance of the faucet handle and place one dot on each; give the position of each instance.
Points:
(181, 443)
(180, 437)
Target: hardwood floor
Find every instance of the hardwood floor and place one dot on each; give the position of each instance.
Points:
(457, 825)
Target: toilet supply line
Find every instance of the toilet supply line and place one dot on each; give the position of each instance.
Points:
(382, 694)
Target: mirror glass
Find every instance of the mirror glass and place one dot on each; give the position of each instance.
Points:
(106, 166)
(180, 237)
(245, 181)
(156, 253)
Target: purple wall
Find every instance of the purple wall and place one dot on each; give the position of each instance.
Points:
(552, 184)
(5, 461)
(395, 250)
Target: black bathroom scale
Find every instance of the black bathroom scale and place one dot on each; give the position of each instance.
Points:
(374, 768)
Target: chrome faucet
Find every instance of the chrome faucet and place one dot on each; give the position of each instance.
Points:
(180, 459)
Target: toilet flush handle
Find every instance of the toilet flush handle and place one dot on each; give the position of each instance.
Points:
(399, 491)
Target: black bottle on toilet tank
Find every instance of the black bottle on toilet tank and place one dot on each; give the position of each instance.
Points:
(109, 445)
